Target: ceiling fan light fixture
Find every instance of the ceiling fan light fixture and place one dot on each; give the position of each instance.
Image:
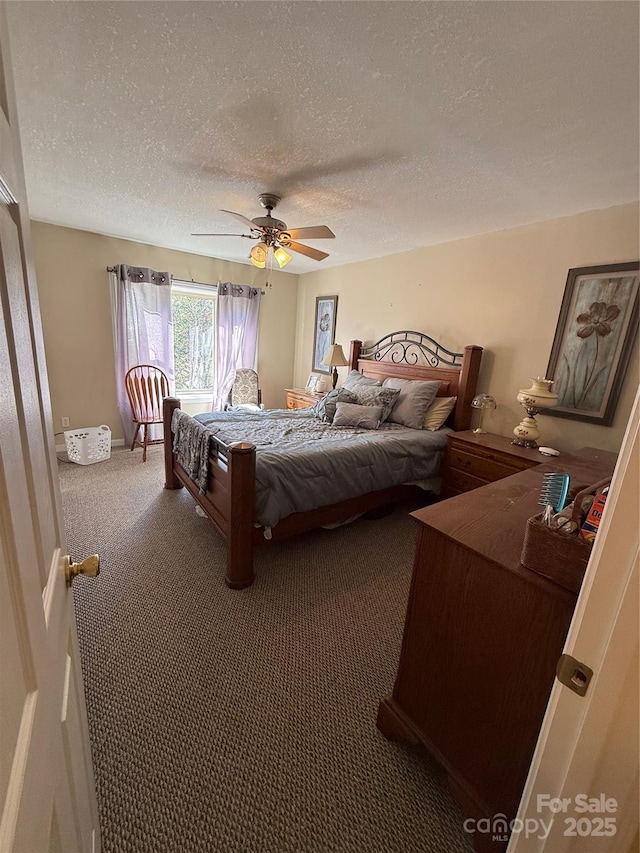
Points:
(258, 255)
(281, 256)
(274, 234)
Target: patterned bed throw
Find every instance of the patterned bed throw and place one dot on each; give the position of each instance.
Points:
(191, 446)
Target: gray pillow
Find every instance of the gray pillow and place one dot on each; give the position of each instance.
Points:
(368, 395)
(413, 402)
(355, 378)
(325, 409)
(350, 414)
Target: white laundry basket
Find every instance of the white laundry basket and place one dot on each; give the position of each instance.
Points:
(89, 445)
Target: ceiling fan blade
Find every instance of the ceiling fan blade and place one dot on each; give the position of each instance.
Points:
(305, 250)
(242, 219)
(315, 232)
(196, 234)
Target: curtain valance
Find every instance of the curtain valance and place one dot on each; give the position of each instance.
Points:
(226, 288)
(141, 274)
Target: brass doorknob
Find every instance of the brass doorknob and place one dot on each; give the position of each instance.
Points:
(89, 567)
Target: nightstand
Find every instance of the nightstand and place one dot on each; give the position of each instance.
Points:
(298, 398)
(475, 459)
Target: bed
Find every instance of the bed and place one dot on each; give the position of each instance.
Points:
(232, 492)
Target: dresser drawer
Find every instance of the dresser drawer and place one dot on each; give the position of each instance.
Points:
(475, 459)
(457, 481)
(299, 399)
(489, 467)
(297, 403)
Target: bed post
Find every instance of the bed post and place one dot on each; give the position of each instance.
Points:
(467, 387)
(354, 354)
(169, 405)
(241, 462)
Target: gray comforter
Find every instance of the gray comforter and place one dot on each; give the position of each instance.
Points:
(302, 463)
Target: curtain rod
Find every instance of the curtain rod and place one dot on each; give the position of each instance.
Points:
(186, 280)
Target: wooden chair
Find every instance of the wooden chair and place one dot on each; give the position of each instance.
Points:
(146, 387)
(245, 392)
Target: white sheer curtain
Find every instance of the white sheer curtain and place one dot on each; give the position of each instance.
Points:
(236, 336)
(142, 330)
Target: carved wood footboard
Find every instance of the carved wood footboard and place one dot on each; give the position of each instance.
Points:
(230, 498)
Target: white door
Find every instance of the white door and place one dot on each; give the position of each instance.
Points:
(582, 791)
(47, 792)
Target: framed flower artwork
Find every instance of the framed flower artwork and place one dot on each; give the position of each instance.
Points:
(596, 329)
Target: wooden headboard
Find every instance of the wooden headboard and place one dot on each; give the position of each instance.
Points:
(414, 355)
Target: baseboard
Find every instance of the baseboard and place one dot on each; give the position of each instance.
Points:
(117, 442)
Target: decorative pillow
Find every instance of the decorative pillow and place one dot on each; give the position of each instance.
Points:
(438, 412)
(325, 409)
(350, 414)
(368, 395)
(355, 378)
(413, 402)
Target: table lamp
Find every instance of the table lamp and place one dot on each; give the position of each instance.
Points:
(334, 358)
(533, 400)
(482, 402)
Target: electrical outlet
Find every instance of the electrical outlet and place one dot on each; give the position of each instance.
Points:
(66, 422)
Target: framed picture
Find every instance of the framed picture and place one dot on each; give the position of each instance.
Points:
(311, 382)
(596, 328)
(324, 333)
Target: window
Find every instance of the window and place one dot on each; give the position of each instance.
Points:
(193, 307)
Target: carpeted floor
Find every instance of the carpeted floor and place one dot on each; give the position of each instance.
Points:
(243, 721)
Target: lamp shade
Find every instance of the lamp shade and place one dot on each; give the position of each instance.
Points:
(258, 255)
(483, 401)
(334, 357)
(281, 256)
(539, 396)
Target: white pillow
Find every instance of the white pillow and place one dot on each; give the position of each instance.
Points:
(438, 412)
(415, 398)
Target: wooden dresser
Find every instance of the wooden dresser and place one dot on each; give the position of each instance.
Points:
(481, 640)
(475, 459)
(298, 398)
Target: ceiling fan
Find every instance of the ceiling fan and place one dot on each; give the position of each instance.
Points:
(274, 234)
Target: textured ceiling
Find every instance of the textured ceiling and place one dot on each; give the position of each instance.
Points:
(397, 124)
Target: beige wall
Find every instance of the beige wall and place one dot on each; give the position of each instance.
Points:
(502, 291)
(76, 317)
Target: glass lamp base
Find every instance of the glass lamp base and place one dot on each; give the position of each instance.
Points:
(527, 432)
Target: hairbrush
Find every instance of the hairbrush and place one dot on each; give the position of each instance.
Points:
(554, 492)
